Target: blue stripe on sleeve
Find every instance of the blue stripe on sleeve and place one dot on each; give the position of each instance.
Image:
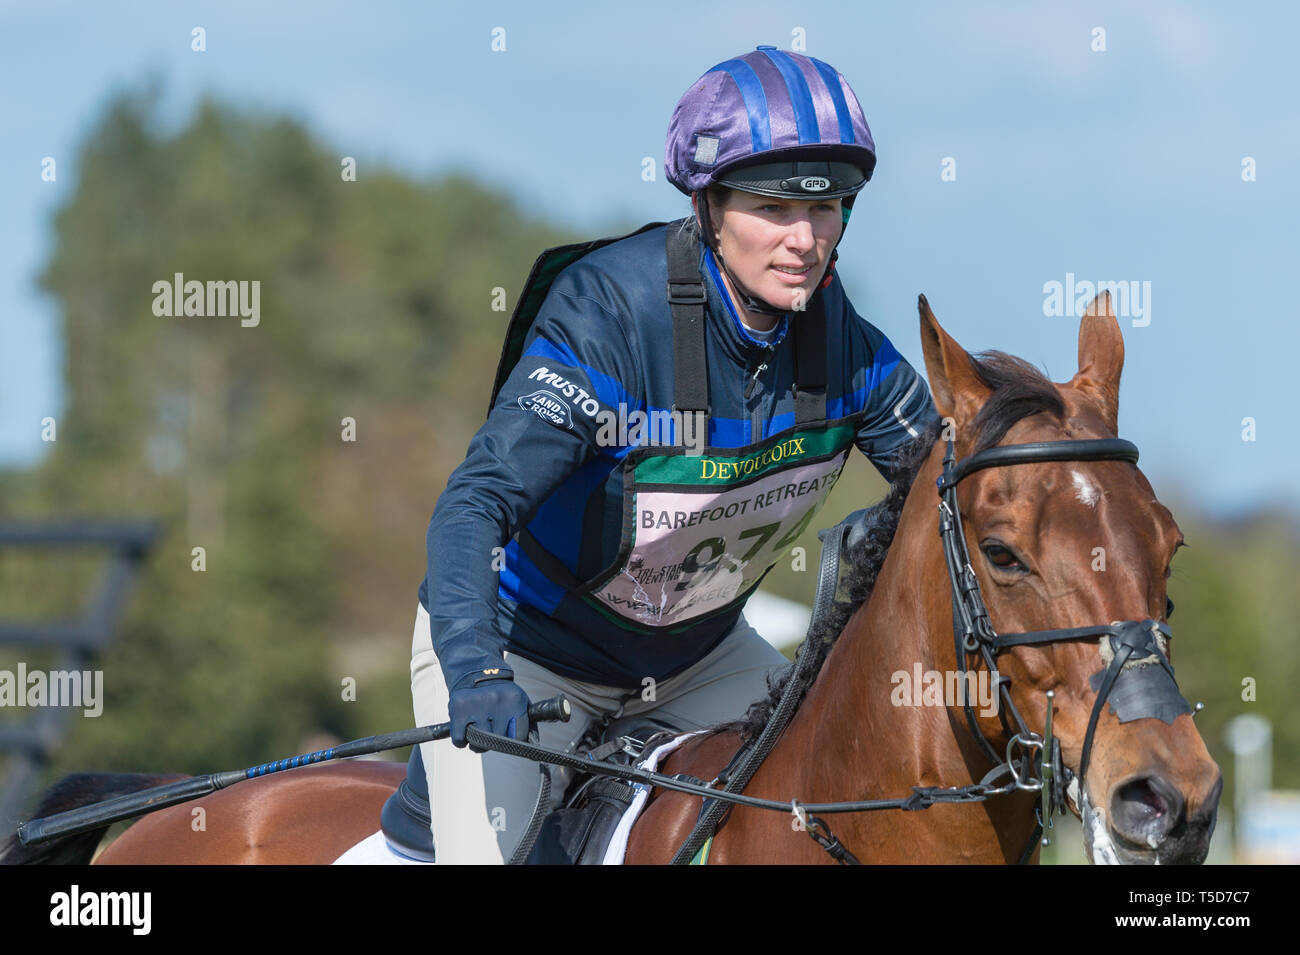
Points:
(882, 366)
(520, 580)
(555, 525)
(608, 388)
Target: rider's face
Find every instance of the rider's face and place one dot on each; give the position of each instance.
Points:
(778, 248)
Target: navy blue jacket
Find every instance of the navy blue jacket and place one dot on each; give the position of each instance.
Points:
(605, 329)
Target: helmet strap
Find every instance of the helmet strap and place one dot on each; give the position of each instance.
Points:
(751, 303)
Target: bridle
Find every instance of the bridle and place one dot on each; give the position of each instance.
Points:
(1147, 695)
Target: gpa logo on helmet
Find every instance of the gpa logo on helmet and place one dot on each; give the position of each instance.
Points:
(549, 407)
(814, 184)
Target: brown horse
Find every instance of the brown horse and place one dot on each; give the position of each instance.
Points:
(1152, 789)
(1035, 531)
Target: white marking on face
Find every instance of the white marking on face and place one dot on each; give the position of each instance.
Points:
(1101, 849)
(1085, 490)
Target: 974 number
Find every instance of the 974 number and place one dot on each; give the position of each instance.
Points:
(716, 547)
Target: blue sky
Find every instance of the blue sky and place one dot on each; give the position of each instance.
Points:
(1117, 165)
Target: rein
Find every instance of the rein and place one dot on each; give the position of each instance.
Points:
(922, 797)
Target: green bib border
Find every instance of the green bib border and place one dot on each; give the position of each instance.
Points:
(682, 471)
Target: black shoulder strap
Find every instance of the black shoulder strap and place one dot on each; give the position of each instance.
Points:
(810, 360)
(686, 298)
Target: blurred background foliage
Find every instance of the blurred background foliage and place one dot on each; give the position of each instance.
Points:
(376, 304)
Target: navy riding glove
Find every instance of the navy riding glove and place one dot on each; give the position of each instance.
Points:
(494, 706)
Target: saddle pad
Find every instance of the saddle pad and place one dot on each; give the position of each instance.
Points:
(375, 850)
(618, 842)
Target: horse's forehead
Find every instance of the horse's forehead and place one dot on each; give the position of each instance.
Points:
(1080, 480)
(1084, 482)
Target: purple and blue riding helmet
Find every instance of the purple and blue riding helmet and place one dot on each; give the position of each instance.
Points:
(754, 121)
(773, 123)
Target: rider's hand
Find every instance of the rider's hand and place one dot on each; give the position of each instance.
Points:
(494, 706)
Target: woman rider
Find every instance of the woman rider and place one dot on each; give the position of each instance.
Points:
(575, 552)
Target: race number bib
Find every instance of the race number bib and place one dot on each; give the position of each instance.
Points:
(708, 528)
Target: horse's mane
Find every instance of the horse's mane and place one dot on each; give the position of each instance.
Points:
(1018, 391)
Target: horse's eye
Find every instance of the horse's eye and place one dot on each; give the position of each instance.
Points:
(999, 556)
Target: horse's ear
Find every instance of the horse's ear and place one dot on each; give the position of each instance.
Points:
(1101, 357)
(956, 389)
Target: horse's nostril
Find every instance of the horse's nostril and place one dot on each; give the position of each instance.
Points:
(1149, 797)
(1144, 810)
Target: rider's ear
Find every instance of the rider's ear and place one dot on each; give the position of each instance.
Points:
(1101, 358)
(714, 199)
(956, 389)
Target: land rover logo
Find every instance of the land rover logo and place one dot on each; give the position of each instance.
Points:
(549, 407)
(814, 184)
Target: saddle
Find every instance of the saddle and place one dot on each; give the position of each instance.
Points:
(577, 833)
